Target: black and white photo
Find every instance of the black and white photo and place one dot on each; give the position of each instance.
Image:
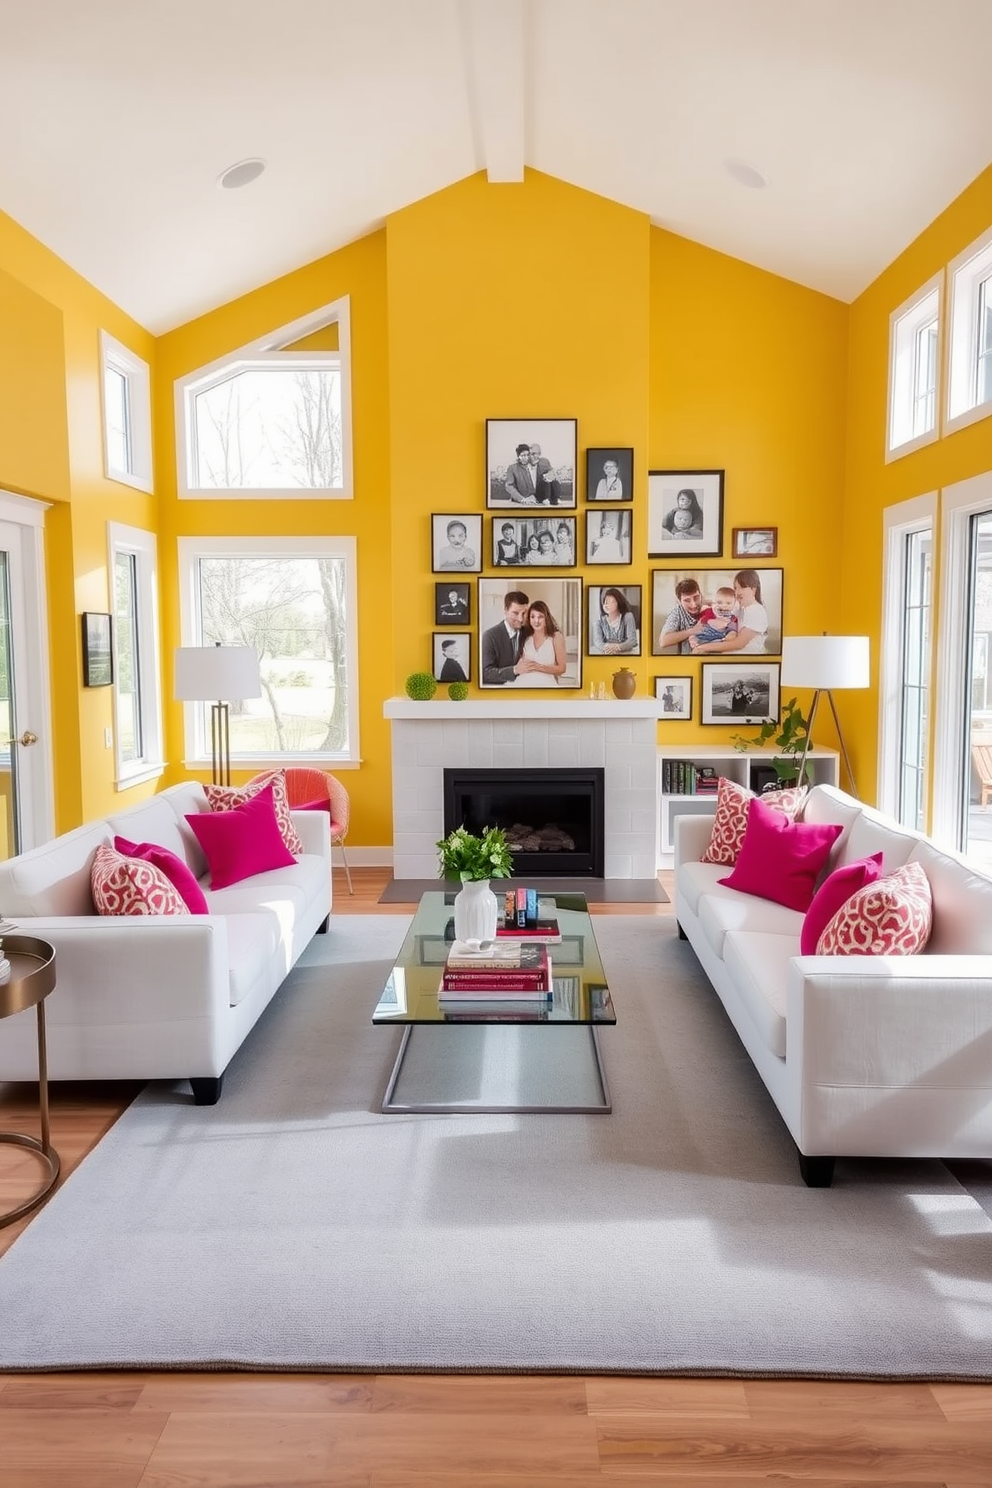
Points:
(610, 474)
(675, 696)
(542, 539)
(530, 462)
(453, 657)
(740, 692)
(608, 536)
(712, 612)
(456, 543)
(614, 619)
(452, 604)
(530, 631)
(685, 513)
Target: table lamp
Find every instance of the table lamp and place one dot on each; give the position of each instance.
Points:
(826, 663)
(218, 675)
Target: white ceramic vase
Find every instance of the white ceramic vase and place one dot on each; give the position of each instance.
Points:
(476, 910)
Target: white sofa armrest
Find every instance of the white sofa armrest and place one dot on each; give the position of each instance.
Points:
(691, 836)
(314, 828)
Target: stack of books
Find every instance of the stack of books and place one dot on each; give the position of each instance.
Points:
(529, 916)
(511, 979)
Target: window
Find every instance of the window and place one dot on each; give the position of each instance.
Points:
(904, 698)
(127, 415)
(969, 392)
(294, 601)
(271, 419)
(914, 346)
(137, 700)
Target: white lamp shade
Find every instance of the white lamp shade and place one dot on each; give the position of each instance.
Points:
(826, 662)
(217, 674)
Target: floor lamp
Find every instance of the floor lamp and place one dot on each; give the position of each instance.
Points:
(218, 675)
(826, 663)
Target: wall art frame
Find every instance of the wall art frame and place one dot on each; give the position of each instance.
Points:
(667, 605)
(608, 632)
(454, 551)
(609, 535)
(685, 513)
(675, 696)
(452, 659)
(516, 476)
(735, 692)
(538, 539)
(497, 662)
(614, 484)
(453, 603)
(754, 542)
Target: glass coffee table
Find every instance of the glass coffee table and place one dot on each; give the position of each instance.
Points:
(513, 1060)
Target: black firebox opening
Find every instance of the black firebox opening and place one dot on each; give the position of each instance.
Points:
(553, 818)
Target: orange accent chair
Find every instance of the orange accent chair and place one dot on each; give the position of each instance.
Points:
(311, 789)
(981, 755)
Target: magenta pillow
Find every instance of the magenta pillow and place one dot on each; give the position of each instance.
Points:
(241, 842)
(175, 870)
(781, 859)
(833, 894)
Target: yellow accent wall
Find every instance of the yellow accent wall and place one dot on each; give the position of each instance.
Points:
(871, 485)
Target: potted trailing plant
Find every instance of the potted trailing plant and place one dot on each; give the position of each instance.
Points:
(789, 735)
(475, 860)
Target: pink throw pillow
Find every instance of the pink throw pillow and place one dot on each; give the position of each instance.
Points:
(832, 894)
(181, 878)
(730, 821)
(242, 841)
(780, 859)
(128, 886)
(892, 917)
(227, 797)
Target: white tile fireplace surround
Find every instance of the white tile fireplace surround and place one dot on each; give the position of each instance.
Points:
(512, 733)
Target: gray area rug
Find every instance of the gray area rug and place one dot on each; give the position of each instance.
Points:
(294, 1226)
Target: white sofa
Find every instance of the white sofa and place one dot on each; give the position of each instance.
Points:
(863, 1055)
(157, 997)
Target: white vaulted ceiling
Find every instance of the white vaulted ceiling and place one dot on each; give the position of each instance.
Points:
(117, 116)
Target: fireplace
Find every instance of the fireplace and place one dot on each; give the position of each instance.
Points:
(553, 818)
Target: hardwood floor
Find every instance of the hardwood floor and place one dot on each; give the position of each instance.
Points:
(235, 1430)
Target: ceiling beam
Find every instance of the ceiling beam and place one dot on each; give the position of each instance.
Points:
(497, 68)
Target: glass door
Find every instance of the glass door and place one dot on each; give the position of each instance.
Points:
(976, 805)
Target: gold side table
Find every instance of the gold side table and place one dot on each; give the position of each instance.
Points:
(32, 977)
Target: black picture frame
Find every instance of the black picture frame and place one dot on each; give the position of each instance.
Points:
(759, 685)
(675, 695)
(98, 649)
(605, 485)
(538, 524)
(453, 611)
(455, 558)
(664, 582)
(615, 547)
(595, 594)
(510, 480)
(677, 494)
(452, 650)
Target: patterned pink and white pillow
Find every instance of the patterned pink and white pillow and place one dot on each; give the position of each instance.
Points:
(890, 917)
(226, 797)
(130, 886)
(730, 821)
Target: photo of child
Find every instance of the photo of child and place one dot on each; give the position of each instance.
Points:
(456, 543)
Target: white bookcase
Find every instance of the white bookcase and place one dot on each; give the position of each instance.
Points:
(726, 760)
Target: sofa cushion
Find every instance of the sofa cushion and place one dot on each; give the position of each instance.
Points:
(695, 879)
(889, 918)
(242, 841)
(53, 879)
(825, 803)
(227, 797)
(252, 942)
(759, 964)
(151, 821)
(730, 820)
(169, 863)
(872, 833)
(130, 886)
(729, 910)
(962, 903)
(832, 894)
(780, 859)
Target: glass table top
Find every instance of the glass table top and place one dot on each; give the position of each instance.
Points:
(581, 994)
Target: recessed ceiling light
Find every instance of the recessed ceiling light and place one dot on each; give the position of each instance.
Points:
(745, 175)
(241, 174)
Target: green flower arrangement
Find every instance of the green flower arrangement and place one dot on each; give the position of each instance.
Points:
(420, 686)
(471, 858)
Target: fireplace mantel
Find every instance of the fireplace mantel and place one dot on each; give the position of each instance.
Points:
(507, 706)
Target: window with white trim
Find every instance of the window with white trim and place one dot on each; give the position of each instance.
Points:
(914, 362)
(271, 419)
(127, 415)
(294, 600)
(969, 383)
(904, 695)
(137, 699)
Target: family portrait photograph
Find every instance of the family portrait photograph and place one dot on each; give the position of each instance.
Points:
(614, 619)
(534, 541)
(530, 632)
(608, 536)
(675, 696)
(610, 474)
(739, 692)
(685, 513)
(711, 612)
(453, 657)
(456, 543)
(757, 542)
(530, 462)
(452, 604)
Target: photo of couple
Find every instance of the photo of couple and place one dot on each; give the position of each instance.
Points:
(530, 637)
(716, 612)
(530, 463)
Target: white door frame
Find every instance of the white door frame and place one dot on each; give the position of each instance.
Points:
(29, 628)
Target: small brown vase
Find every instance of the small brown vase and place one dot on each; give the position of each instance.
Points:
(624, 683)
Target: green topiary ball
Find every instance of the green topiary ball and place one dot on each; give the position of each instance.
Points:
(458, 691)
(420, 686)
